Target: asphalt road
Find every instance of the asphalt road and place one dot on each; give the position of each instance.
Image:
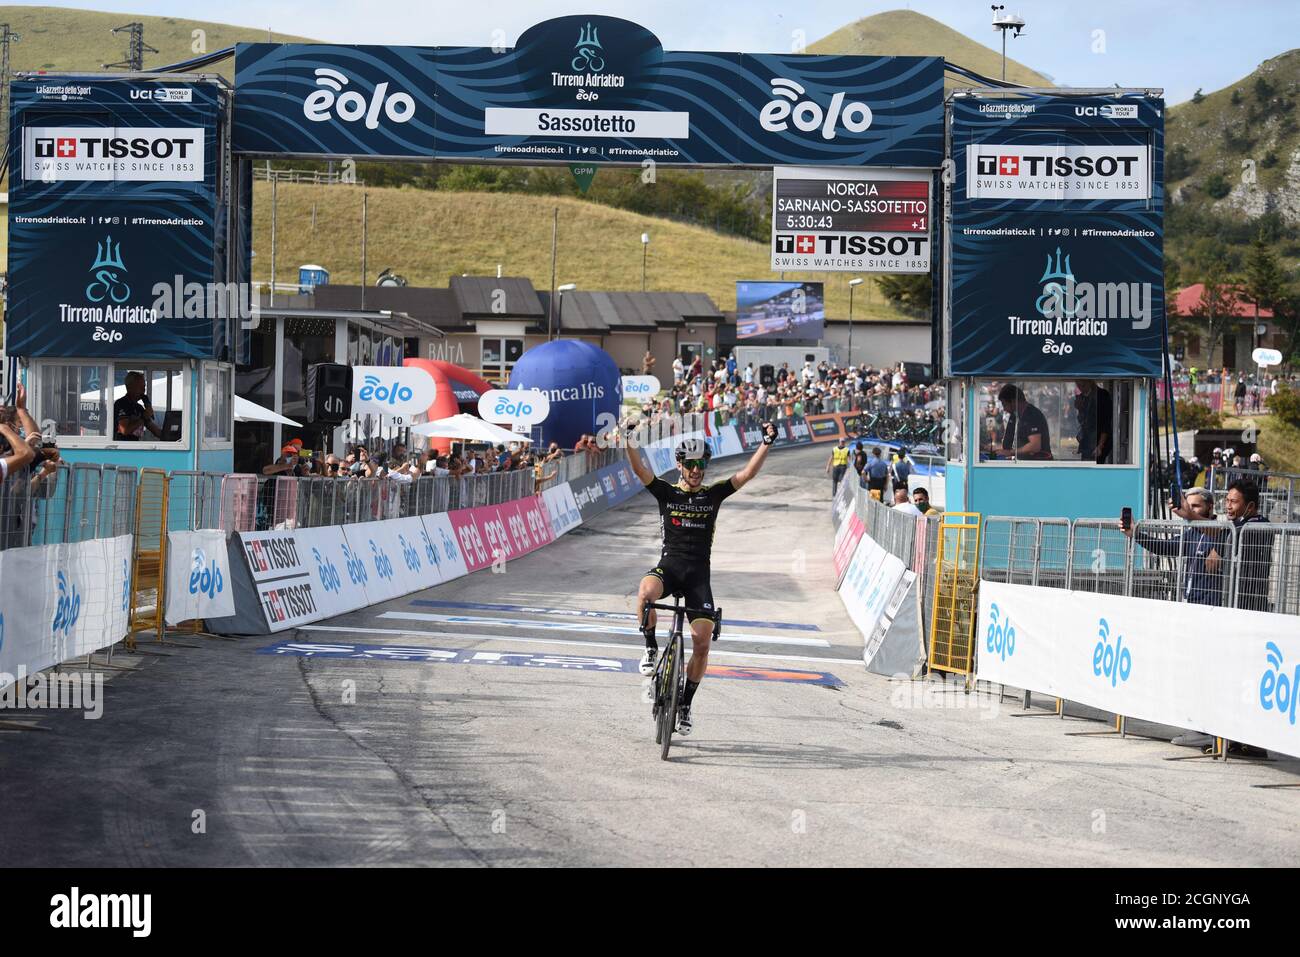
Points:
(511, 731)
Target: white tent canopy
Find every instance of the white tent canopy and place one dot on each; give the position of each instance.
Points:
(246, 411)
(468, 428)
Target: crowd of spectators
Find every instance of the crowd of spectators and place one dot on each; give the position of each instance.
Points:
(399, 465)
(739, 396)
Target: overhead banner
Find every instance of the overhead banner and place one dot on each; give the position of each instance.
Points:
(116, 243)
(1057, 260)
(1112, 652)
(850, 220)
(588, 89)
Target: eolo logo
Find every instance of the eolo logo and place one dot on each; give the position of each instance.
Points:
(1000, 639)
(205, 576)
(381, 393)
(1111, 661)
(68, 609)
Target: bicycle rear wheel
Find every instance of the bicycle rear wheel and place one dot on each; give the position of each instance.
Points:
(674, 694)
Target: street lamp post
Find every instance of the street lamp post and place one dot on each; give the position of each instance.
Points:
(852, 283)
(645, 250)
(567, 287)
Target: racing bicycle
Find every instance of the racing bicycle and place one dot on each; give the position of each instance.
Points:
(669, 681)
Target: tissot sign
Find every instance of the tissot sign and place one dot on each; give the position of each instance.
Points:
(588, 89)
(1056, 236)
(93, 153)
(851, 220)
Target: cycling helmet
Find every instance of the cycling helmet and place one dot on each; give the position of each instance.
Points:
(694, 448)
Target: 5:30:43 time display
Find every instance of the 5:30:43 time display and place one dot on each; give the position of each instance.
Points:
(806, 222)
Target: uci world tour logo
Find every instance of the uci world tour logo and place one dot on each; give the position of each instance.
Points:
(589, 59)
(108, 282)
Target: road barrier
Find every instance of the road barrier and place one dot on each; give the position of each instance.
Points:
(1184, 624)
(125, 550)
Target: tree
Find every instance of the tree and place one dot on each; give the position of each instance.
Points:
(1266, 282)
(1217, 185)
(910, 292)
(1198, 96)
(1216, 307)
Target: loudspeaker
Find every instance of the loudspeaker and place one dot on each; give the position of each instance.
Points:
(767, 375)
(329, 393)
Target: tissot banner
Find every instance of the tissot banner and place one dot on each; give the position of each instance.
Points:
(588, 89)
(114, 230)
(1056, 264)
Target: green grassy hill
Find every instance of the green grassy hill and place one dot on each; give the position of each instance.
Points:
(907, 33)
(62, 39)
(430, 235)
(1214, 146)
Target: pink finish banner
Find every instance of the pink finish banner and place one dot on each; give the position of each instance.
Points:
(498, 533)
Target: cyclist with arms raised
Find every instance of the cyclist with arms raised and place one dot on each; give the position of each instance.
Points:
(688, 512)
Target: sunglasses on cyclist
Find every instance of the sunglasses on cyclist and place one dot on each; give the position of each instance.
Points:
(694, 463)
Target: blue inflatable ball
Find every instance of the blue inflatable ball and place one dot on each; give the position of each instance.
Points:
(581, 380)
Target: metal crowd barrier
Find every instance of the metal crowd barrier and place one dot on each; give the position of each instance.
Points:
(68, 503)
(1254, 567)
(1279, 492)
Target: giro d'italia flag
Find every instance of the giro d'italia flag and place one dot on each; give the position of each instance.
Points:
(850, 220)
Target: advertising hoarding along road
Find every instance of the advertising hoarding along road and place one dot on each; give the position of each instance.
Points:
(589, 89)
(1113, 652)
(850, 220)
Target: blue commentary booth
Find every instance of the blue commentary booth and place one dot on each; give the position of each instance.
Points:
(1053, 299)
(123, 258)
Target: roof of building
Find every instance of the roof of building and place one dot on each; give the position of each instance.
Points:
(487, 297)
(1186, 301)
(435, 307)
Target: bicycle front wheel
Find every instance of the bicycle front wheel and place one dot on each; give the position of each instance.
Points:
(673, 696)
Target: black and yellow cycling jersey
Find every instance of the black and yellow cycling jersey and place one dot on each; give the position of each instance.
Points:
(687, 518)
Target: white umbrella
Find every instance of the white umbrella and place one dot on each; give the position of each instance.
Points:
(468, 428)
(246, 411)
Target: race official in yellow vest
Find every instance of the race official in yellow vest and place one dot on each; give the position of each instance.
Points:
(838, 464)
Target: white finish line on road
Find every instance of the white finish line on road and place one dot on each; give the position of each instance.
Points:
(587, 627)
(465, 636)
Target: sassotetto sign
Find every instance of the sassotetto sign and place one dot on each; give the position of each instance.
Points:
(588, 89)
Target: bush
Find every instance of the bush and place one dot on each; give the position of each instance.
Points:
(1285, 405)
(1217, 185)
(1193, 415)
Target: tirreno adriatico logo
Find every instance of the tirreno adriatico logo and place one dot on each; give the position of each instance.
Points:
(108, 273)
(1054, 302)
(588, 58)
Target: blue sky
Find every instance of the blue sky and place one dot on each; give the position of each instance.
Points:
(1178, 46)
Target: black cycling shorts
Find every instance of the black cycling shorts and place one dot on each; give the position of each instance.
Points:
(688, 579)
